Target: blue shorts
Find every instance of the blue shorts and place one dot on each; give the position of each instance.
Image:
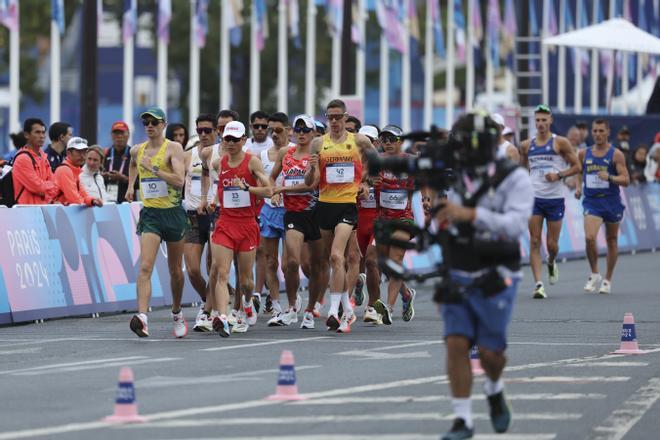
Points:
(610, 209)
(550, 209)
(483, 320)
(271, 222)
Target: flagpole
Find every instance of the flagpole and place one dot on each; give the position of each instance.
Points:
(55, 83)
(469, 56)
(545, 79)
(310, 59)
(255, 61)
(162, 75)
(640, 78)
(336, 64)
(595, 77)
(225, 90)
(282, 56)
(193, 93)
(405, 70)
(449, 87)
(561, 77)
(428, 67)
(360, 62)
(384, 106)
(128, 81)
(577, 73)
(14, 77)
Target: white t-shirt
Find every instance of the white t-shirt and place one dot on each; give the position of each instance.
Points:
(255, 148)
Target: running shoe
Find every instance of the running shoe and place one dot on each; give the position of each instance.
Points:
(408, 309)
(275, 320)
(346, 322)
(605, 287)
(203, 323)
(539, 292)
(317, 310)
(553, 273)
(500, 413)
(240, 327)
(250, 313)
(332, 322)
(298, 305)
(308, 320)
(370, 315)
(180, 325)
(200, 312)
(221, 326)
(384, 310)
(592, 282)
(269, 304)
(289, 317)
(139, 326)
(233, 317)
(458, 431)
(256, 301)
(358, 293)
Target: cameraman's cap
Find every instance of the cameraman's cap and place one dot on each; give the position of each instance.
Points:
(119, 126)
(498, 119)
(507, 131)
(392, 129)
(235, 129)
(155, 112)
(307, 120)
(77, 143)
(542, 108)
(369, 131)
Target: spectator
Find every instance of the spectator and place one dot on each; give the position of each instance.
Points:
(32, 175)
(59, 134)
(353, 124)
(623, 143)
(177, 132)
(320, 128)
(652, 170)
(91, 178)
(67, 176)
(638, 164)
(584, 133)
(509, 135)
(116, 164)
(574, 137)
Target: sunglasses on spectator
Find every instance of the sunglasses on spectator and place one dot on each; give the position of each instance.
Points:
(204, 130)
(389, 139)
(303, 129)
(231, 139)
(152, 122)
(118, 132)
(335, 117)
(277, 130)
(260, 126)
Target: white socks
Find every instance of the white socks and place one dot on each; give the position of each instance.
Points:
(463, 410)
(491, 388)
(346, 302)
(335, 299)
(277, 306)
(143, 316)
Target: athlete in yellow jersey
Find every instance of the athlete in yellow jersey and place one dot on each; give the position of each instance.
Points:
(159, 165)
(336, 165)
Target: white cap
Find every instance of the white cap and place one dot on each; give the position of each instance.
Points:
(369, 131)
(309, 122)
(77, 143)
(506, 131)
(235, 129)
(498, 119)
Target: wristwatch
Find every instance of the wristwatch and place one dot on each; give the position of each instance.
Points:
(247, 188)
(155, 169)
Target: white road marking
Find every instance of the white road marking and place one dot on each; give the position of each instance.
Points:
(401, 436)
(426, 399)
(71, 364)
(621, 421)
(97, 366)
(21, 351)
(369, 355)
(261, 344)
(567, 379)
(610, 364)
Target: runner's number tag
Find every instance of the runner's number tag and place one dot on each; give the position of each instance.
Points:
(340, 172)
(370, 202)
(153, 188)
(595, 182)
(235, 197)
(394, 198)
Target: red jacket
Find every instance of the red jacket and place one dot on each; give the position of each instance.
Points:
(71, 191)
(34, 184)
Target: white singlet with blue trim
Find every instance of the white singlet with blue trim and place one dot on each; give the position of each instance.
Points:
(543, 159)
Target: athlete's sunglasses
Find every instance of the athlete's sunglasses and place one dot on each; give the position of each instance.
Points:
(152, 122)
(335, 117)
(303, 129)
(231, 139)
(277, 130)
(389, 139)
(204, 130)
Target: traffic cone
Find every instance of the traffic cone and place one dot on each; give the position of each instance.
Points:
(286, 381)
(628, 337)
(125, 405)
(474, 362)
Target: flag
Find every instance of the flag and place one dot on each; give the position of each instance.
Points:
(57, 10)
(478, 30)
(534, 31)
(201, 22)
(605, 55)
(355, 30)
(584, 54)
(459, 26)
(413, 20)
(509, 31)
(164, 18)
(391, 23)
(494, 25)
(294, 22)
(437, 29)
(262, 23)
(553, 29)
(129, 22)
(235, 20)
(9, 14)
(335, 17)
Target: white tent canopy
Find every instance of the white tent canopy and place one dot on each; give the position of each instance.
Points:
(615, 34)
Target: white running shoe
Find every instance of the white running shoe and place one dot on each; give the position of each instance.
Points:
(308, 320)
(289, 317)
(240, 327)
(370, 314)
(200, 312)
(592, 283)
(180, 325)
(317, 310)
(553, 273)
(203, 323)
(605, 287)
(298, 305)
(346, 321)
(250, 312)
(275, 320)
(232, 318)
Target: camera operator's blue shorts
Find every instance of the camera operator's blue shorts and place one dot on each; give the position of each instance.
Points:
(271, 221)
(483, 320)
(610, 209)
(550, 209)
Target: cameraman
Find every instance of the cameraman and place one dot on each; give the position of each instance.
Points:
(482, 254)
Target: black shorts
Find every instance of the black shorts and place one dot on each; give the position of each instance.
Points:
(302, 222)
(329, 215)
(199, 228)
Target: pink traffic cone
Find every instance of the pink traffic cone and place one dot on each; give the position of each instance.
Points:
(474, 362)
(286, 381)
(628, 337)
(125, 405)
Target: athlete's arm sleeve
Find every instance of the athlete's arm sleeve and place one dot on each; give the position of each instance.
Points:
(511, 220)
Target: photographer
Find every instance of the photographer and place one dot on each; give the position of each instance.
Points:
(482, 254)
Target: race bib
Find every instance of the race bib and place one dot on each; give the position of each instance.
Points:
(293, 181)
(370, 202)
(153, 188)
(234, 197)
(394, 198)
(340, 172)
(540, 172)
(112, 189)
(595, 182)
(196, 186)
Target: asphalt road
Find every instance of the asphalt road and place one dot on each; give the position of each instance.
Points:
(58, 379)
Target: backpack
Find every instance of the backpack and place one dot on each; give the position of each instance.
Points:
(7, 197)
